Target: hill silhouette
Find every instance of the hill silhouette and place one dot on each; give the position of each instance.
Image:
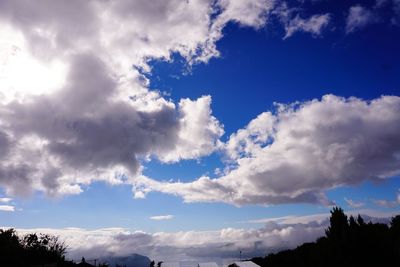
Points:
(347, 242)
(133, 260)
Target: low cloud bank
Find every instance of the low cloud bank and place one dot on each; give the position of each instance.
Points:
(276, 234)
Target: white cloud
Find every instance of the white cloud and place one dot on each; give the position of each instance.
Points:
(249, 141)
(162, 217)
(293, 22)
(252, 13)
(353, 204)
(314, 25)
(8, 208)
(199, 131)
(358, 18)
(5, 199)
(92, 143)
(312, 147)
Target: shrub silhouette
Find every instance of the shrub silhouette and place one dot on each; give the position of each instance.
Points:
(31, 250)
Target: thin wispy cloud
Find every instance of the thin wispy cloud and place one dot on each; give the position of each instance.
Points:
(5, 199)
(7, 208)
(388, 203)
(358, 18)
(162, 217)
(353, 204)
(293, 219)
(323, 218)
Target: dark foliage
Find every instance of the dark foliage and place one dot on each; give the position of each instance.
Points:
(31, 250)
(348, 242)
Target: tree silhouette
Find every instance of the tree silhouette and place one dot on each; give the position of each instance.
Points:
(32, 249)
(360, 220)
(395, 234)
(338, 224)
(348, 242)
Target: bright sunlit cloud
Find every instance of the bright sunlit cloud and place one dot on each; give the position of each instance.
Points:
(21, 73)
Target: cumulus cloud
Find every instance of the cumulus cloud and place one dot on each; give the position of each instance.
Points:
(250, 140)
(155, 29)
(76, 138)
(358, 18)
(70, 99)
(302, 150)
(162, 217)
(74, 97)
(199, 131)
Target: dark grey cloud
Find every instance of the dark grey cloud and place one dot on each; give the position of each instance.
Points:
(4, 144)
(51, 27)
(16, 178)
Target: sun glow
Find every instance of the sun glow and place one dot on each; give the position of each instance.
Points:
(23, 75)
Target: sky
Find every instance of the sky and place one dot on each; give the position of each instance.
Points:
(192, 130)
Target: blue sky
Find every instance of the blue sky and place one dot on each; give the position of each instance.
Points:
(281, 55)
